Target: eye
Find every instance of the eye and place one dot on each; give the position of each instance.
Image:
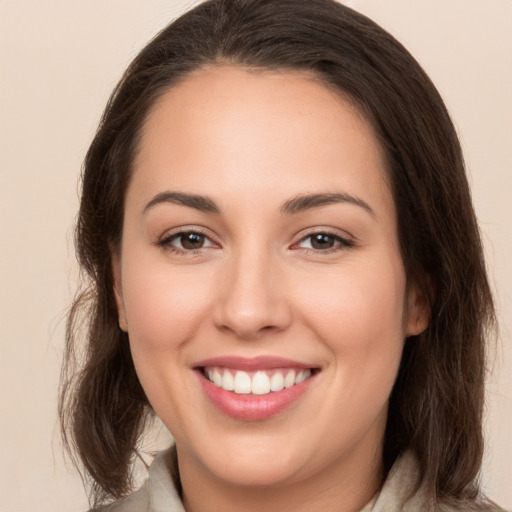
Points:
(185, 241)
(326, 242)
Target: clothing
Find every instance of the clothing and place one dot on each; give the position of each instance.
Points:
(401, 491)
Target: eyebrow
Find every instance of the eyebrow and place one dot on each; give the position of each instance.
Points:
(293, 206)
(201, 203)
(308, 201)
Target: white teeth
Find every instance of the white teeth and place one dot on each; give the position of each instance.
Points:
(289, 380)
(242, 384)
(228, 383)
(217, 378)
(277, 382)
(259, 384)
(302, 376)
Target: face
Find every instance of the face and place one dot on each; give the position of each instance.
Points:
(260, 279)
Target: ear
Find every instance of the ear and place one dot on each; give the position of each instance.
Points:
(417, 310)
(118, 291)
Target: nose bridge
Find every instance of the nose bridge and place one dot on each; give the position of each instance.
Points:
(252, 298)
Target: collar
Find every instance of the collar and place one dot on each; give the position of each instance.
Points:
(402, 489)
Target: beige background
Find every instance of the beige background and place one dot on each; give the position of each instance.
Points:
(59, 60)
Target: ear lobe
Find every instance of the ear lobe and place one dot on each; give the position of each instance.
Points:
(418, 312)
(118, 291)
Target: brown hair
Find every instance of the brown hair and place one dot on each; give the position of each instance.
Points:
(437, 401)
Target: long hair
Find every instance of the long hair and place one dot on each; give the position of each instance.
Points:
(436, 405)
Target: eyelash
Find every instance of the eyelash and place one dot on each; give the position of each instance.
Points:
(166, 243)
(341, 242)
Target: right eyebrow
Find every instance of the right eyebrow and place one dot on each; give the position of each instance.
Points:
(198, 202)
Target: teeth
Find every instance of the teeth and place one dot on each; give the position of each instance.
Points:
(242, 383)
(277, 382)
(302, 376)
(259, 384)
(217, 378)
(289, 380)
(228, 383)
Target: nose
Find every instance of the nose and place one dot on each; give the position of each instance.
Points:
(252, 298)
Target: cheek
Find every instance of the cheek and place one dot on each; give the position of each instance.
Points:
(358, 315)
(163, 305)
(353, 299)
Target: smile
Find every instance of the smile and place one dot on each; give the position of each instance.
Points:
(254, 389)
(260, 382)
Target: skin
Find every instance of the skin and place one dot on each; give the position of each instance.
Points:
(251, 141)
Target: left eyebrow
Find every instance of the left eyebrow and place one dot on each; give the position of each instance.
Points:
(307, 201)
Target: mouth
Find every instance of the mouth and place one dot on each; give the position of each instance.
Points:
(259, 382)
(254, 389)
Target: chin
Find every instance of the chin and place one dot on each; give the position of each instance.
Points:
(256, 473)
(255, 463)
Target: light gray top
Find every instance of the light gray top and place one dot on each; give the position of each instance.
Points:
(401, 491)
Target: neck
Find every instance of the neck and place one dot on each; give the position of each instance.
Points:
(346, 485)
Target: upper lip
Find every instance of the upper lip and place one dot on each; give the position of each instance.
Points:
(248, 364)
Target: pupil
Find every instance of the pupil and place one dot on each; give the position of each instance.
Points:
(192, 241)
(322, 241)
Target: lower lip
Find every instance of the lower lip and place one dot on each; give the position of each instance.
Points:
(253, 407)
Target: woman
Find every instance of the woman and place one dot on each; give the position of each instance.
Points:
(285, 267)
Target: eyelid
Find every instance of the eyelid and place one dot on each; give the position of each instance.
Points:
(164, 241)
(344, 241)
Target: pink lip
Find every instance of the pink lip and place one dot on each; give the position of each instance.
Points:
(249, 364)
(252, 407)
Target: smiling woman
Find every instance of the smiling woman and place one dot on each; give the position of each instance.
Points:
(294, 281)
(285, 268)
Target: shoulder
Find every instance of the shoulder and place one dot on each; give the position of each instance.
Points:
(160, 492)
(480, 505)
(136, 502)
(404, 491)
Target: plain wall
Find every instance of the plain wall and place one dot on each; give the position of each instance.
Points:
(59, 61)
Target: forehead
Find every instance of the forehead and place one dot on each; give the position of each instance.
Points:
(225, 128)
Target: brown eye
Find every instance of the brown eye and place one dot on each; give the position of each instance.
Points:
(191, 241)
(185, 241)
(322, 241)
